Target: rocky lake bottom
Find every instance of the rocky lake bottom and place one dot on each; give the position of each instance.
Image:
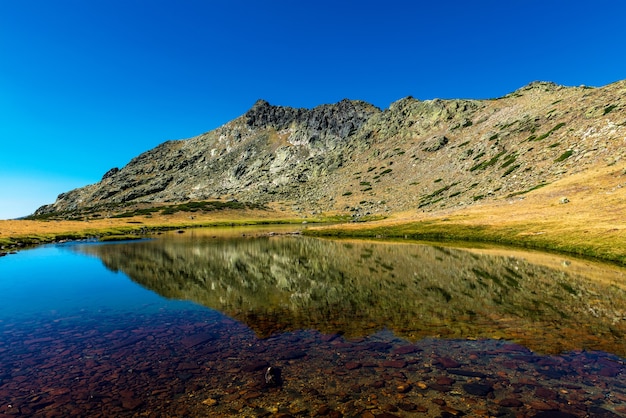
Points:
(198, 363)
(96, 344)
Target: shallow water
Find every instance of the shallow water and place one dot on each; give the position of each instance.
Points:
(188, 325)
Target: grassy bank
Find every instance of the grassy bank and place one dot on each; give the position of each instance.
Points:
(583, 215)
(599, 246)
(559, 234)
(24, 233)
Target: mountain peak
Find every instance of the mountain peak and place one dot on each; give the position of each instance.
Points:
(351, 156)
(260, 104)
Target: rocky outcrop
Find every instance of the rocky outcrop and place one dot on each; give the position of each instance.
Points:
(353, 157)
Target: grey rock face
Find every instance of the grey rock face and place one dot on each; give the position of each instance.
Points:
(336, 121)
(436, 143)
(271, 151)
(352, 157)
(110, 173)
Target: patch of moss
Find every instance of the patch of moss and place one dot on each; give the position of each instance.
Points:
(547, 134)
(510, 170)
(608, 109)
(427, 200)
(508, 160)
(486, 164)
(564, 156)
(480, 155)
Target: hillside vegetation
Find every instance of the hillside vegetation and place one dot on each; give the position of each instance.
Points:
(543, 166)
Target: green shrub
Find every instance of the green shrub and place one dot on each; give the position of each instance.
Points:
(547, 134)
(510, 170)
(509, 160)
(486, 164)
(564, 156)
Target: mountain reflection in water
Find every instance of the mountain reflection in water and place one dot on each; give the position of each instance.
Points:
(280, 283)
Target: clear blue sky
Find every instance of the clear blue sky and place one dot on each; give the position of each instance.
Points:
(87, 85)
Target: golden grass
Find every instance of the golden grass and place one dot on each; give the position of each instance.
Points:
(39, 231)
(592, 223)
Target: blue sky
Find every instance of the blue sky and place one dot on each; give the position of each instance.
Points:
(88, 85)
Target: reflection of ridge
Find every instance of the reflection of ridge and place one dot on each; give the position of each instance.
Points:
(286, 283)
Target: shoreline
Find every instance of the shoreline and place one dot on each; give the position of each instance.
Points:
(16, 235)
(566, 217)
(434, 229)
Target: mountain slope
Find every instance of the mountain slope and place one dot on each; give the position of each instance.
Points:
(353, 157)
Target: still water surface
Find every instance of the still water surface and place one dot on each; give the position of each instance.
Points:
(188, 325)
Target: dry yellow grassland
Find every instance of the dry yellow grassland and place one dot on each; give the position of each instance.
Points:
(582, 214)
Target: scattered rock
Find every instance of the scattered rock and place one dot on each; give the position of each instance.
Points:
(351, 365)
(273, 376)
(403, 387)
(445, 380)
(255, 366)
(448, 363)
(408, 406)
(477, 389)
(511, 403)
(406, 349)
(436, 143)
(209, 402)
(545, 393)
(131, 403)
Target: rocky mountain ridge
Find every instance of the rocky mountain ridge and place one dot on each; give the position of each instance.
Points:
(352, 157)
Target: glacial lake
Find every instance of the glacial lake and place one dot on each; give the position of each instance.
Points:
(263, 322)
